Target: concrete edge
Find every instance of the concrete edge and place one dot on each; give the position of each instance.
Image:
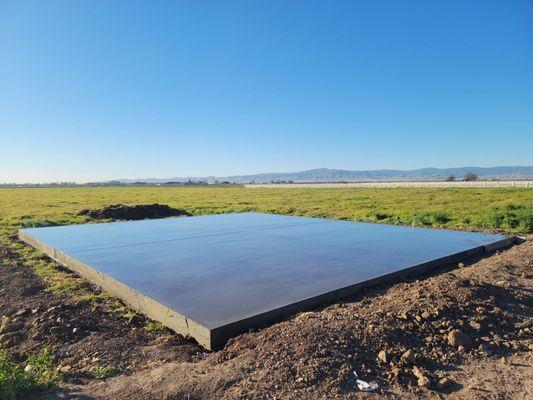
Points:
(136, 300)
(503, 243)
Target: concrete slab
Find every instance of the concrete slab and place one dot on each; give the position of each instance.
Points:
(213, 277)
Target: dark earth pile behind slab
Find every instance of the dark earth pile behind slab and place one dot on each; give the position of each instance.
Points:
(138, 212)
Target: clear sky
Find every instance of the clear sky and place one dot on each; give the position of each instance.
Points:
(93, 90)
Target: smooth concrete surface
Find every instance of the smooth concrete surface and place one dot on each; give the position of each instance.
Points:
(213, 277)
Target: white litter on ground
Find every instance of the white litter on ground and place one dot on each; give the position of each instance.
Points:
(365, 386)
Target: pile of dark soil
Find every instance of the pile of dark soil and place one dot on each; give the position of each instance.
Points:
(142, 211)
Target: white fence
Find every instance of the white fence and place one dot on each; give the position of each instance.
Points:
(400, 184)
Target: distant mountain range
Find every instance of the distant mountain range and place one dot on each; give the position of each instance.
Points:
(336, 175)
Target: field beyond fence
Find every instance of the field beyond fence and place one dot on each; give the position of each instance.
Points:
(401, 184)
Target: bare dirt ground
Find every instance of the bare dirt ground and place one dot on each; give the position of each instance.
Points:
(461, 333)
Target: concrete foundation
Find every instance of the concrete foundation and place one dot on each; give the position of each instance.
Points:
(214, 277)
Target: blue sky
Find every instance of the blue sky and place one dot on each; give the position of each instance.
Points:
(93, 90)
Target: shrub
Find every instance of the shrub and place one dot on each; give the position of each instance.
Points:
(470, 177)
(154, 326)
(511, 218)
(430, 218)
(40, 375)
(12, 378)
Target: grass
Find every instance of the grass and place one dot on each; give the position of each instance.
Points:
(103, 372)
(508, 210)
(154, 326)
(39, 374)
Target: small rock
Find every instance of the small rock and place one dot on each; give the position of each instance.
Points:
(134, 319)
(63, 351)
(28, 368)
(408, 357)
(57, 330)
(483, 348)
(384, 357)
(417, 372)
(443, 383)
(424, 382)
(403, 315)
(426, 315)
(64, 369)
(21, 312)
(460, 265)
(475, 326)
(457, 338)
(12, 327)
(75, 330)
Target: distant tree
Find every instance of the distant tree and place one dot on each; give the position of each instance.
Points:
(450, 178)
(470, 177)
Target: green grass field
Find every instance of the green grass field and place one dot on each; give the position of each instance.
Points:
(506, 210)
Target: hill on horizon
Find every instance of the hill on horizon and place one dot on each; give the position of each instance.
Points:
(336, 175)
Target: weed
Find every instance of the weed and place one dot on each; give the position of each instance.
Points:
(430, 218)
(39, 375)
(103, 372)
(154, 326)
(42, 369)
(509, 218)
(12, 378)
(3, 322)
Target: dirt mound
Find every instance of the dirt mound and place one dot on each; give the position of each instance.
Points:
(142, 211)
